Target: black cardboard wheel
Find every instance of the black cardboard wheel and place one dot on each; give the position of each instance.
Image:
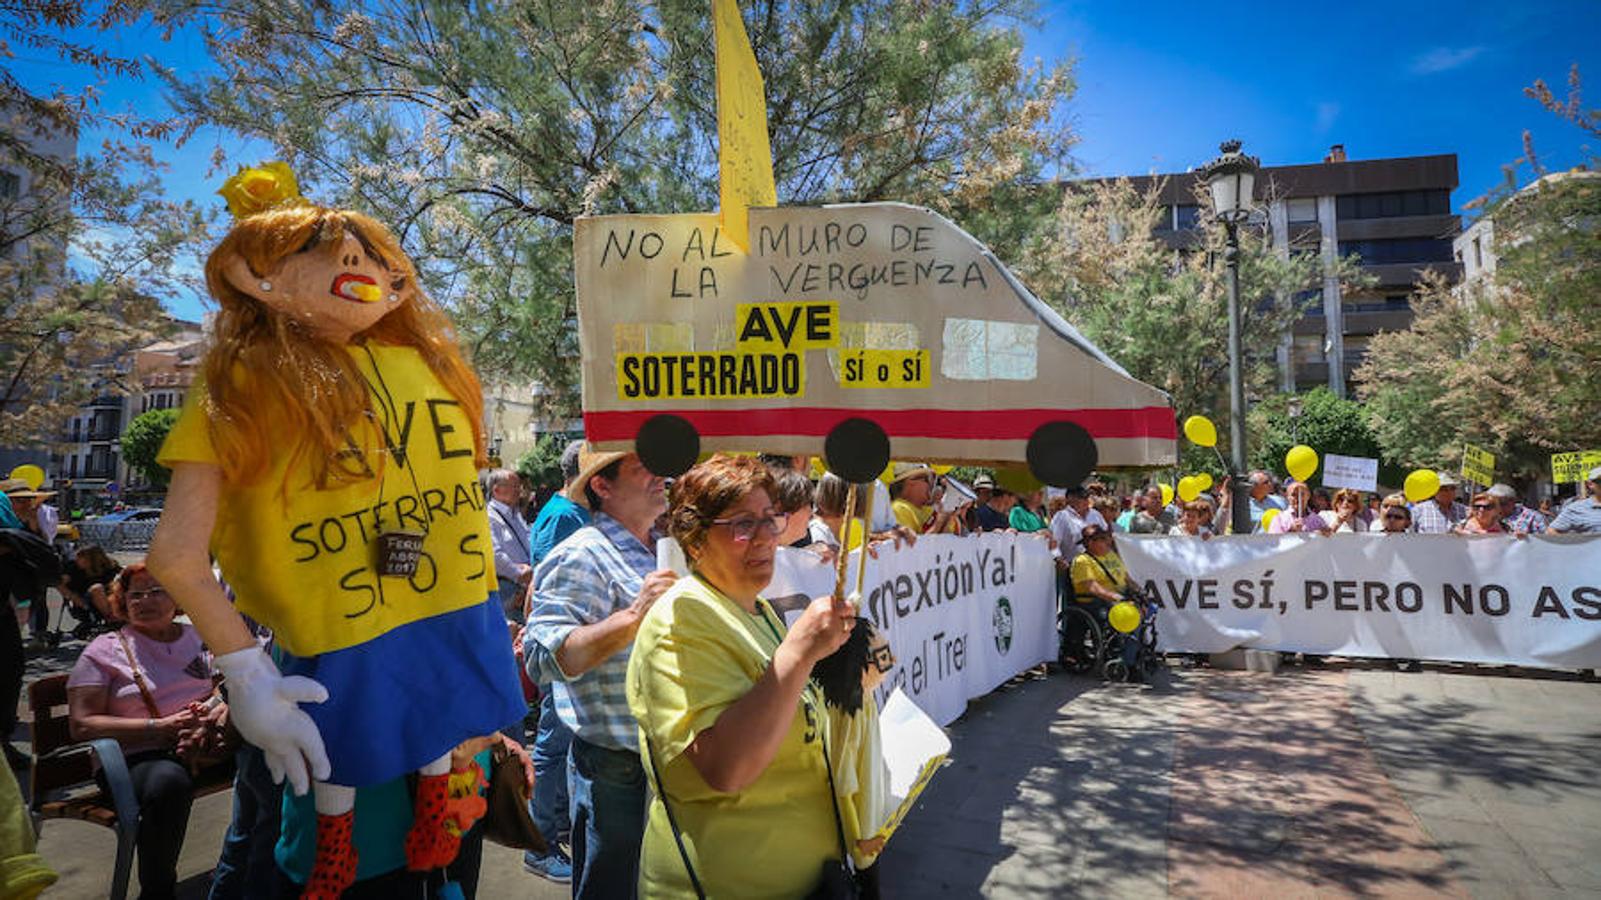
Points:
(1061, 454)
(667, 445)
(856, 450)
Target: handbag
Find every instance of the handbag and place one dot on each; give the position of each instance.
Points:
(838, 878)
(506, 821)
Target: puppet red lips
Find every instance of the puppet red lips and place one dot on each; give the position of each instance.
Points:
(357, 287)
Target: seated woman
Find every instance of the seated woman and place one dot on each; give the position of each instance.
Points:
(734, 733)
(1099, 580)
(84, 586)
(148, 687)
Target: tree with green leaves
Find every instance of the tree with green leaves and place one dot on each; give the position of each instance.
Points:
(1161, 312)
(1508, 362)
(481, 132)
(1327, 424)
(142, 440)
(88, 240)
(541, 465)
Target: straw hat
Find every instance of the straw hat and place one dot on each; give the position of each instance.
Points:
(905, 470)
(590, 462)
(16, 487)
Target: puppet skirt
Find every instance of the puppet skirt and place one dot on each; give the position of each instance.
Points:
(406, 697)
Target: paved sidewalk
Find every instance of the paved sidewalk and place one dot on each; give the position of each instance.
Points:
(1331, 783)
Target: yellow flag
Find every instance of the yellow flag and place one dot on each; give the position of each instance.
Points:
(743, 153)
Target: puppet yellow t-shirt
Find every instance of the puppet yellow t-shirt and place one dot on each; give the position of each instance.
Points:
(304, 561)
(696, 654)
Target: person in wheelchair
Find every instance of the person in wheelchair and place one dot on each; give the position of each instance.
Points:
(1099, 580)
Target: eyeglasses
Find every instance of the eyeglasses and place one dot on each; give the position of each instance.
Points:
(1396, 515)
(147, 594)
(1486, 506)
(744, 528)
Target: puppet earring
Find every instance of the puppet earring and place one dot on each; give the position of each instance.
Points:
(266, 286)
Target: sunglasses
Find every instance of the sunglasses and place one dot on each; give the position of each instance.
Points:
(1396, 515)
(1486, 506)
(744, 528)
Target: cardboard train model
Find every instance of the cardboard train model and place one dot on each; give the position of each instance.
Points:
(862, 331)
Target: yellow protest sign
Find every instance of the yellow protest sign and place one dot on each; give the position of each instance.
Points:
(1567, 468)
(744, 156)
(710, 376)
(883, 369)
(1478, 465)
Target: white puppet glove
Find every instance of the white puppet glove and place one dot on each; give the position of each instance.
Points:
(265, 707)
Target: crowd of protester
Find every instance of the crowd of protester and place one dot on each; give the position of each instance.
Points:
(581, 586)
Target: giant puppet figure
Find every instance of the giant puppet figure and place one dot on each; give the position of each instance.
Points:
(329, 461)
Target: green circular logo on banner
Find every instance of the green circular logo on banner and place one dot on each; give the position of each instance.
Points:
(1002, 621)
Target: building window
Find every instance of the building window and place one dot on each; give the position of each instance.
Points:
(1186, 215)
(1164, 222)
(1390, 204)
(1301, 210)
(1398, 251)
(72, 466)
(1478, 254)
(1308, 348)
(10, 185)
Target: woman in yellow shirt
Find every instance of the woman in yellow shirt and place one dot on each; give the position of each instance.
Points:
(730, 727)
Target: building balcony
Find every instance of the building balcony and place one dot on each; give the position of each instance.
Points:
(1409, 274)
(1398, 227)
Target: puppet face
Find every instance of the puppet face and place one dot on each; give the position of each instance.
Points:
(336, 285)
(880, 660)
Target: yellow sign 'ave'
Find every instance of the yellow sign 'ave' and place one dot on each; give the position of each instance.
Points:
(743, 154)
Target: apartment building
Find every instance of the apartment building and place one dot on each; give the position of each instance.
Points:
(1393, 214)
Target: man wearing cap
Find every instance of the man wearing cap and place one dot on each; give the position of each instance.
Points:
(1516, 517)
(590, 594)
(1582, 516)
(1442, 514)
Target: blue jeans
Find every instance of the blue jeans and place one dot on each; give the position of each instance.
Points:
(245, 868)
(608, 799)
(548, 806)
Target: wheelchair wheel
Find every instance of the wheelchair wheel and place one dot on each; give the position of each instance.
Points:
(1083, 655)
(1114, 670)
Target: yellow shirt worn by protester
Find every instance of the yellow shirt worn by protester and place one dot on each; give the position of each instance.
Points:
(1087, 568)
(911, 515)
(306, 559)
(696, 654)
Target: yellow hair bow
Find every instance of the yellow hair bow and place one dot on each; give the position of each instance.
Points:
(260, 188)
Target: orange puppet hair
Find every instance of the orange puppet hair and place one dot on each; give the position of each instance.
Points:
(267, 374)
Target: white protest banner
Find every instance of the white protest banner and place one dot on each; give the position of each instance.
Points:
(1358, 473)
(1483, 598)
(962, 614)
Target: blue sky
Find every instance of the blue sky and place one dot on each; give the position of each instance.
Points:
(1161, 83)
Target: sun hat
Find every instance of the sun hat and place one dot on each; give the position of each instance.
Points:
(905, 470)
(590, 462)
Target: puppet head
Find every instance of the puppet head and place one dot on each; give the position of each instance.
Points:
(296, 283)
(856, 668)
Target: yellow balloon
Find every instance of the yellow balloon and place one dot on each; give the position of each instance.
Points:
(1204, 481)
(1268, 516)
(30, 473)
(817, 468)
(1200, 431)
(888, 475)
(1124, 616)
(1167, 493)
(1421, 485)
(1188, 489)
(1301, 462)
(941, 468)
(1017, 479)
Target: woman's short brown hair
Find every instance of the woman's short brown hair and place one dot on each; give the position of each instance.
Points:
(1345, 494)
(709, 490)
(116, 598)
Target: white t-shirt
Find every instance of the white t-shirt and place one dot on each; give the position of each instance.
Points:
(820, 533)
(883, 514)
(1066, 526)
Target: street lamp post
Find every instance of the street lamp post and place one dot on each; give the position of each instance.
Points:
(1231, 178)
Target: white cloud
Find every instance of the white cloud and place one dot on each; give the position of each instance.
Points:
(1326, 114)
(1444, 59)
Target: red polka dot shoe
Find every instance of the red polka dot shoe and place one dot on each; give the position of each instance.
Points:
(335, 865)
(447, 806)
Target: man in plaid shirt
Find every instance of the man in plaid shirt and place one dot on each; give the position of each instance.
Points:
(590, 594)
(1442, 514)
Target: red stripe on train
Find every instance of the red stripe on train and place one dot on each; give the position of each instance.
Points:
(1155, 422)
